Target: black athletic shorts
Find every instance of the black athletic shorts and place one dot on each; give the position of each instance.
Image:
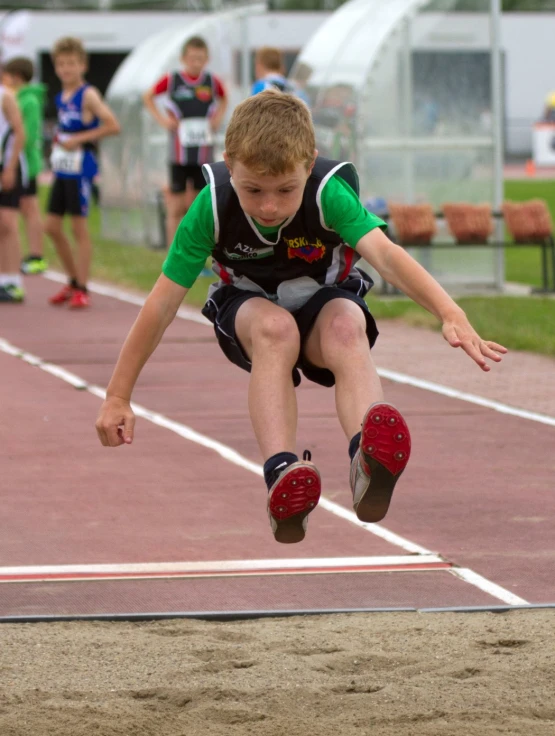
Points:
(30, 190)
(10, 198)
(70, 196)
(180, 173)
(223, 305)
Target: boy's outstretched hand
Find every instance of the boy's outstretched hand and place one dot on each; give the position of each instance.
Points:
(459, 333)
(116, 422)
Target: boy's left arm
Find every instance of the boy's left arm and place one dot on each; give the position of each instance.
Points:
(109, 125)
(397, 267)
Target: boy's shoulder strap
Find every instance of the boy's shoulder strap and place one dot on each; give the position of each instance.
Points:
(218, 178)
(325, 168)
(216, 174)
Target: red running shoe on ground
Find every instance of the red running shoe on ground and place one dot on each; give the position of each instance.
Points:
(381, 458)
(293, 496)
(62, 296)
(79, 299)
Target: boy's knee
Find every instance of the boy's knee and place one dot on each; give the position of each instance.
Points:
(279, 329)
(52, 226)
(8, 222)
(346, 330)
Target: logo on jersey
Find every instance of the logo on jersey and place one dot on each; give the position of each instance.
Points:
(183, 93)
(247, 252)
(203, 93)
(301, 248)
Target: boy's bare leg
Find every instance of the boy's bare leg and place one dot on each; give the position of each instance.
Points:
(10, 248)
(270, 337)
(80, 229)
(176, 206)
(339, 343)
(31, 214)
(53, 227)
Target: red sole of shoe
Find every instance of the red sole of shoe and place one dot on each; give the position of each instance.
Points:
(385, 448)
(294, 497)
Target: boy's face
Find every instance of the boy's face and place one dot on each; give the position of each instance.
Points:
(259, 70)
(9, 81)
(194, 60)
(269, 199)
(69, 69)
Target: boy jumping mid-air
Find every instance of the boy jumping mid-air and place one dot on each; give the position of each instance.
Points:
(83, 119)
(285, 229)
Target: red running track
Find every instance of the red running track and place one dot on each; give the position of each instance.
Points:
(477, 491)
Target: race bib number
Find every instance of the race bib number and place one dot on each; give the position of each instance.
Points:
(194, 132)
(66, 162)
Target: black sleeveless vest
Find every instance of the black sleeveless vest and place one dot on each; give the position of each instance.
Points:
(304, 247)
(188, 100)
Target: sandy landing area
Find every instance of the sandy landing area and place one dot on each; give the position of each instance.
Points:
(402, 674)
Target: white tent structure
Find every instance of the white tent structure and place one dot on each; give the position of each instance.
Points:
(409, 90)
(134, 164)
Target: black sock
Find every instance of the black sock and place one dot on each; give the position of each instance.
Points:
(74, 283)
(353, 444)
(276, 464)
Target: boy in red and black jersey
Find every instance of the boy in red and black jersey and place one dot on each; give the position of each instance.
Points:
(196, 104)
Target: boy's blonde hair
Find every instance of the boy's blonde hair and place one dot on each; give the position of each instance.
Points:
(270, 58)
(69, 45)
(271, 133)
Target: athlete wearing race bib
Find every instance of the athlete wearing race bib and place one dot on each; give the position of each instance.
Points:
(194, 105)
(83, 119)
(74, 169)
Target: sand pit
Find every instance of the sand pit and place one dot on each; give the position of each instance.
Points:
(402, 674)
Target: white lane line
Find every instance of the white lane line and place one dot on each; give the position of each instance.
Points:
(193, 315)
(226, 452)
(469, 576)
(308, 563)
(452, 393)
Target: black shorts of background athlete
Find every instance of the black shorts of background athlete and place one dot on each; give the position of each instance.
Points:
(180, 174)
(10, 198)
(30, 190)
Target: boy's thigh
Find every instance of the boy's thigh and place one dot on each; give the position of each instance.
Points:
(311, 320)
(70, 196)
(221, 309)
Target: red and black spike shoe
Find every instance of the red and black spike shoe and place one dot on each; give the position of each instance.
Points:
(382, 456)
(292, 497)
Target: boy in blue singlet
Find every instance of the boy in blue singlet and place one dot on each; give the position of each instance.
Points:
(269, 73)
(83, 119)
(285, 229)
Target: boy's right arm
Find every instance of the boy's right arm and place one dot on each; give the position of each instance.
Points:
(116, 421)
(166, 121)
